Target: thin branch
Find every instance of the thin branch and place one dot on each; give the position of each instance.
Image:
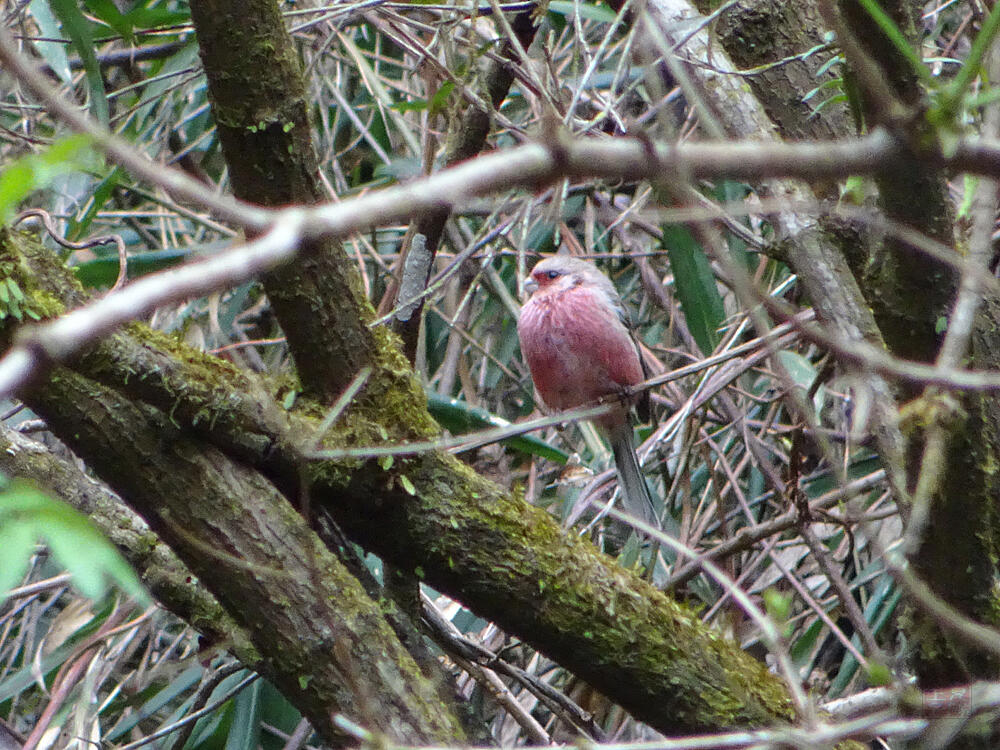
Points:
(172, 180)
(59, 339)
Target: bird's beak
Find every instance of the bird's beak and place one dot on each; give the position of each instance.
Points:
(530, 286)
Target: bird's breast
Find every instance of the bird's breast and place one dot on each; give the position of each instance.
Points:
(577, 348)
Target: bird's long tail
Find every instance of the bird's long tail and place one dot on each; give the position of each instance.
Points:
(635, 492)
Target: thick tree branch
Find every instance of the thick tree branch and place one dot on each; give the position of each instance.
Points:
(166, 577)
(325, 644)
(505, 559)
(261, 111)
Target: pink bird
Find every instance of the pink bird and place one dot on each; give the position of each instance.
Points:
(576, 340)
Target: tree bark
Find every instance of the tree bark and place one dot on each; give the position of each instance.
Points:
(909, 294)
(171, 583)
(321, 640)
(484, 545)
(261, 112)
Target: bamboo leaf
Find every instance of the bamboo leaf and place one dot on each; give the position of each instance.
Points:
(460, 417)
(695, 286)
(54, 53)
(77, 28)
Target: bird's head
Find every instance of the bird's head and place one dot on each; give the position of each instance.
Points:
(561, 272)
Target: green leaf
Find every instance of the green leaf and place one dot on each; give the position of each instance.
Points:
(148, 18)
(695, 286)
(17, 545)
(79, 223)
(407, 484)
(969, 184)
(245, 731)
(15, 290)
(440, 98)
(81, 549)
(803, 374)
(778, 605)
(854, 191)
(731, 191)
(879, 675)
(414, 105)
(212, 730)
(73, 149)
(77, 28)
(28, 513)
(823, 69)
(276, 711)
(54, 53)
(37, 171)
(799, 368)
(804, 644)
(108, 12)
(101, 273)
(16, 183)
(459, 418)
(629, 555)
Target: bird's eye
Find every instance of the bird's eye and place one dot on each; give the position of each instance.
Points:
(552, 275)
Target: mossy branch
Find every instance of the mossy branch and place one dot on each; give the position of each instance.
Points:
(483, 544)
(261, 111)
(166, 577)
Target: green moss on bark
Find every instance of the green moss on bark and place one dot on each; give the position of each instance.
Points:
(503, 558)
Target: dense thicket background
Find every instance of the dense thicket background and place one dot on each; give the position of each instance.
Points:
(302, 443)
